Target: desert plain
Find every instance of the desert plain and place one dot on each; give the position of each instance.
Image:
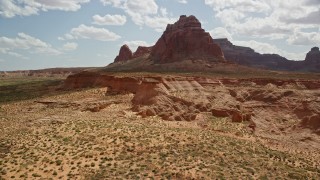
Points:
(188, 127)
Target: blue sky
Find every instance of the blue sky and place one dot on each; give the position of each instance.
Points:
(37, 34)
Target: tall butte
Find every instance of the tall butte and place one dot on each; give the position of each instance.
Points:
(183, 40)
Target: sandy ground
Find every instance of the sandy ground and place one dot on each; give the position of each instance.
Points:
(62, 137)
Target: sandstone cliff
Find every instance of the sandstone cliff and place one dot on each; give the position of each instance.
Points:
(183, 40)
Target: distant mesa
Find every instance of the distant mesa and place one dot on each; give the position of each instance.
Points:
(248, 57)
(183, 40)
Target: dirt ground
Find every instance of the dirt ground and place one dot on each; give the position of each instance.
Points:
(65, 136)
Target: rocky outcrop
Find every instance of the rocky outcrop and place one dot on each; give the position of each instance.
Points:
(312, 61)
(88, 79)
(125, 54)
(184, 97)
(313, 56)
(271, 108)
(141, 51)
(183, 40)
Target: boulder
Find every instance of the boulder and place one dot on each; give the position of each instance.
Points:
(221, 112)
(240, 117)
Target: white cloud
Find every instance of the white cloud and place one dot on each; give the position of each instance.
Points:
(26, 42)
(220, 32)
(17, 55)
(309, 18)
(141, 7)
(109, 19)
(90, 32)
(68, 36)
(143, 12)
(8, 52)
(115, 3)
(258, 27)
(70, 46)
(242, 5)
(229, 16)
(159, 23)
(61, 38)
(267, 18)
(304, 38)
(104, 56)
(183, 1)
(266, 48)
(12, 8)
(133, 45)
(70, 5)
(3, 50)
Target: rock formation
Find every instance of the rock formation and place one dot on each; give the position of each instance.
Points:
(186, 40)
(124, 54)
(313, 56)
(261, 103)
(183, 40)
(247, 56)
(141, 51)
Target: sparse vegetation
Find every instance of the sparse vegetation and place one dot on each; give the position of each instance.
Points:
(63, 141)
(24, 88)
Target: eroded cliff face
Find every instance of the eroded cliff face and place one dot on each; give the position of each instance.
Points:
(183, 40)
(286, 110)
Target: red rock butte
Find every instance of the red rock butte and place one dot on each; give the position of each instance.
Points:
(183, 40)
(124, 54)
(313, 56)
